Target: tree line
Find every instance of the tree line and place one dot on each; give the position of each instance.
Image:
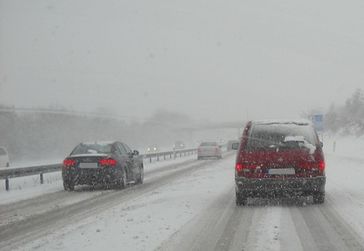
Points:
(347, 119)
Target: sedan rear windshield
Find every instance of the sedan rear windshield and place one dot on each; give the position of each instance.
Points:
(91, 149)
(281, 136)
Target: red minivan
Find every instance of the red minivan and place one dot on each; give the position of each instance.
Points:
(279, 157)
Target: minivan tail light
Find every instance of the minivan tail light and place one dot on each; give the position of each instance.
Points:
(321, 165)
(107, 162)
(246, 167)
(239, 167)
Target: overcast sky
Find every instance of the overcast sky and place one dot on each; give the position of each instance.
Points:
(221, 60)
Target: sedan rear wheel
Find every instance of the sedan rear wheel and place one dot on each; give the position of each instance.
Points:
(68, 185)
(140, 178)
(122, 182)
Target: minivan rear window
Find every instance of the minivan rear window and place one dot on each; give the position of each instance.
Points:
(267, 137)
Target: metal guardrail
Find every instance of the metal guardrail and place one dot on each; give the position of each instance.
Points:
(8, 173)
(169, 154)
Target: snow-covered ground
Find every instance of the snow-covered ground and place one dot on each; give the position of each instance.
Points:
(145, 222)
(344, 146)
(345, 172)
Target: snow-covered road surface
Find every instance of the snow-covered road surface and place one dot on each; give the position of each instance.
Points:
(27, 220)
(191, 207)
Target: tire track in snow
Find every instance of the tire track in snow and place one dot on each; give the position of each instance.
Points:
(320, 227)
(203, 232)
(12, 212)
(282, 225)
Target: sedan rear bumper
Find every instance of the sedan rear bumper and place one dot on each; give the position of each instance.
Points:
(313, 184)
(92, 176)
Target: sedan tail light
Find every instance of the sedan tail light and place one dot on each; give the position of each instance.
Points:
(69, 163)
(107, 162)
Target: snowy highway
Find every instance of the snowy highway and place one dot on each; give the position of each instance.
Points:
(190, 205)
(108, 110)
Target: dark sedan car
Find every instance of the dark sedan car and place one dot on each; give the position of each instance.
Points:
(109, 163)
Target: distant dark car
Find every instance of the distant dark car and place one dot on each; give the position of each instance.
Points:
(280, 157)
(108, 163)
(178, 145)
(230, 143)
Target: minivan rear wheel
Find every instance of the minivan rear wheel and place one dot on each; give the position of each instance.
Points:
(318, 197)
(240, 200)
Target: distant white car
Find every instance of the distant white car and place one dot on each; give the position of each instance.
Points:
(4, 157)
(209, 149)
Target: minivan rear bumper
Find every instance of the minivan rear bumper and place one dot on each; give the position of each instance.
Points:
(248, 185)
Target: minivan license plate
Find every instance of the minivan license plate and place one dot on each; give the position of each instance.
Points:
(281, 171)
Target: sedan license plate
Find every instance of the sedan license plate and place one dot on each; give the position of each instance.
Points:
(88, 165)
(281, 171)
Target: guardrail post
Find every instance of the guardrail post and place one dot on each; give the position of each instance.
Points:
(150, 159)
(334, 146)
(41, 178)
(164, 156)
(157, 157)
(180, 155)
(7, 184)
